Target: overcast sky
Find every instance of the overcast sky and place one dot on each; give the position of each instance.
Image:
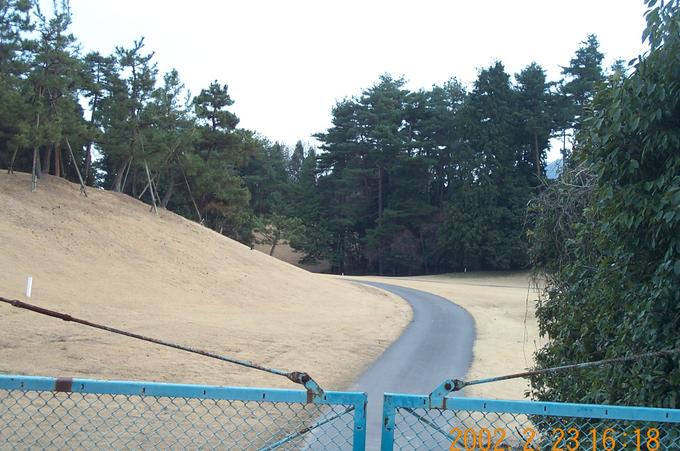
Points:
(288, 62)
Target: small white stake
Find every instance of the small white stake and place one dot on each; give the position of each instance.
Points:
(29, 286)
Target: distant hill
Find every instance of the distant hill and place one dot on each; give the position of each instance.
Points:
(553, 169)
(109, 259)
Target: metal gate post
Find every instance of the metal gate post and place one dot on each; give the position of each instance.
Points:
(387, 436)
(359, 443)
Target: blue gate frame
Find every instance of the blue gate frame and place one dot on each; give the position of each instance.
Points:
(67, 413)
(49, 412)
(456, 423)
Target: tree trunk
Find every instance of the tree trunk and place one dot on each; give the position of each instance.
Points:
(169, 192)
(538, 156)
(274, 243)
(133, 183)
(57, 161)
(422, 249)
(47, 160)
(61, 165)
(380, 192)
(88, 164)
(380, 211)
(342, 254)
(38, 169)
(88, 151)
(34, 172)
(120, 173)
(10, 169)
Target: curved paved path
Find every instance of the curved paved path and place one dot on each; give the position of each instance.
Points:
(437, 345)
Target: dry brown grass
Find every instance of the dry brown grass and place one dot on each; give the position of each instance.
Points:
(108, 259)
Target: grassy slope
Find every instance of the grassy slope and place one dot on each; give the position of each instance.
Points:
(108, 259)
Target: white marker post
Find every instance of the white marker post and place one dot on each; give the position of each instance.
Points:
(29, 286)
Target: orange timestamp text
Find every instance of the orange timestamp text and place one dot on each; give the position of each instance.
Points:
(571, 439)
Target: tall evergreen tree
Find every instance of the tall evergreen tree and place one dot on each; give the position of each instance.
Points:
(15, 117)
(129, 84)
(582, 77)
(484, 220)
(96, 68)
(537, 119)
(362, 152)
(172, 135)
(296, 159)
(583, 74)
(55, 77)
(222, 195)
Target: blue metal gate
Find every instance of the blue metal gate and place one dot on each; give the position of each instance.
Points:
(437, 422)
(43, 412)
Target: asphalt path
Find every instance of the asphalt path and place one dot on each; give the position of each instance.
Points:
(436, 345)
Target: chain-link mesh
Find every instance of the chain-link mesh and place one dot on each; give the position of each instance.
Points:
(490, 431)
(57, 420)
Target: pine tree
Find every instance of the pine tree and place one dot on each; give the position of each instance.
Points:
(296, 159)
(55, 77)
(129, 84)
(483, 228)
(172, 135)
(15, 117)
(94, 91)
(583, 74)
(535, 101)
(582, 78)
(221, 193)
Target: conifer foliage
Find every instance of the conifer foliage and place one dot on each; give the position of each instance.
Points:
(438, 179)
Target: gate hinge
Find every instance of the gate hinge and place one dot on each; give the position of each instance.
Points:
(438, 396)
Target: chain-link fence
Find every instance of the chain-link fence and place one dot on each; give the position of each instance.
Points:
(49, 413)
(487, 425)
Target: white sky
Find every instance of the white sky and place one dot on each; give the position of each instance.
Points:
(288, 62)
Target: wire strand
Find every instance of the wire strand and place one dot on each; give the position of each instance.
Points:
(460, 384)
(295, 376)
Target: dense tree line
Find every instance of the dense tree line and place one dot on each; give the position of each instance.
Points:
(404, 182)
(606, 236)
(439, 180)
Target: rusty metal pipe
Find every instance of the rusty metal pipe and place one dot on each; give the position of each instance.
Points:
(294, 376)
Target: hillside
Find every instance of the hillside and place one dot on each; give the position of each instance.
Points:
(108, 259)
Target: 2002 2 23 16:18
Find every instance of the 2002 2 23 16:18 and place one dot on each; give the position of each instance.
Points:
(561, 439)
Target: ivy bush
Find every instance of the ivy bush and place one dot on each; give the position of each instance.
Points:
(606, 241)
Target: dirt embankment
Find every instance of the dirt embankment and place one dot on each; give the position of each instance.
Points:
(108, 259)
